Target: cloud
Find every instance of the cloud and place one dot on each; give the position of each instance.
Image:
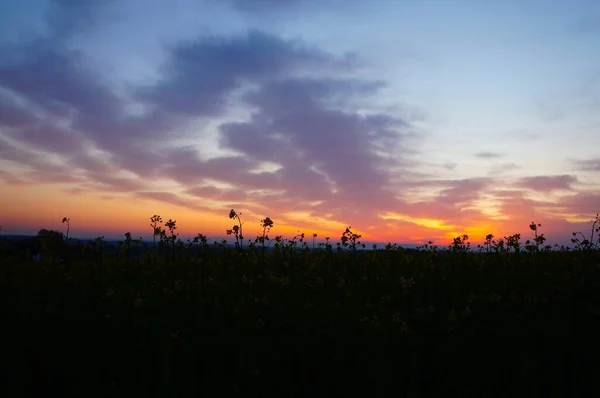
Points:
(502, 168)
(49, 138)
(69, 17)
(583, 203)
(548, 183)
(587, 164)
(264, 6)
(463, 190)
(171, 198)
(201, 74)
(10, 178)
(26, 158)
(450, 165)
(12, 114)
(78, 111)
(57, 85)
(302, 120)
(488, 155)
(297, 125)
(214, 193)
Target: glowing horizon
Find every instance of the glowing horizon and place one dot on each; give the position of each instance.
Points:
(118, 216)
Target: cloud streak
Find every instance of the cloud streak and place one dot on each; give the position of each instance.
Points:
(588, 164)
(548, 183)
(488, 155)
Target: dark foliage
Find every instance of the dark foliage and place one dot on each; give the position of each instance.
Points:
(201, 319)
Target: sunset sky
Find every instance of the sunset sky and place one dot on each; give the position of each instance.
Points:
(407, 120)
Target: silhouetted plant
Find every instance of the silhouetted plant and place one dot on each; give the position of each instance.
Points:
(432, 304)
(585, 243)
(460, 244)
(390, 246)
(203, 240)
(221, 244)
(499, 246)
(67, 221)
(488, 242)
(351, 240)
(290, 245)
(236, 229)
(172, 226)
(429, 246)
(537, 240)
(125, 246)
(155, 222)
(513, 242)
(327, 246)
(266, 225)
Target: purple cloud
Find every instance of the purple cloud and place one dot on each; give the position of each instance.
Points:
(583, 203)
(171, 198)
(326, 151)
(49, 138)
(10, 178)
(299, 125)
(451, 200)
(53, 80)
(201, 74)
(548, 183)
(26, 157)
(13, 115)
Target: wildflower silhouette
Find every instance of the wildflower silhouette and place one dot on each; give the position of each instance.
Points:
(172, 226)
(236, 229)
(266, 225)
(513, 242)
(125, 246)
(538, 239)
(68, 222)
(203, 240)
(585, 243)
(460, 244)
(351, 240)
(155, 222)
(488, 242)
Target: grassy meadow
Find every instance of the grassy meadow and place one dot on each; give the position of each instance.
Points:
(290, 318)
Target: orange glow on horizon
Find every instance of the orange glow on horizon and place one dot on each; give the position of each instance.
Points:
(112, 214)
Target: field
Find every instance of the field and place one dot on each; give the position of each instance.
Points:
(174, 319)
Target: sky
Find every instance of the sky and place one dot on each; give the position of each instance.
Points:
(406, 120)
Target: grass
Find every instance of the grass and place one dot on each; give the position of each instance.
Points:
(200, 319)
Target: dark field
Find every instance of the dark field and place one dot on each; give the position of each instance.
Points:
(196, 320)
